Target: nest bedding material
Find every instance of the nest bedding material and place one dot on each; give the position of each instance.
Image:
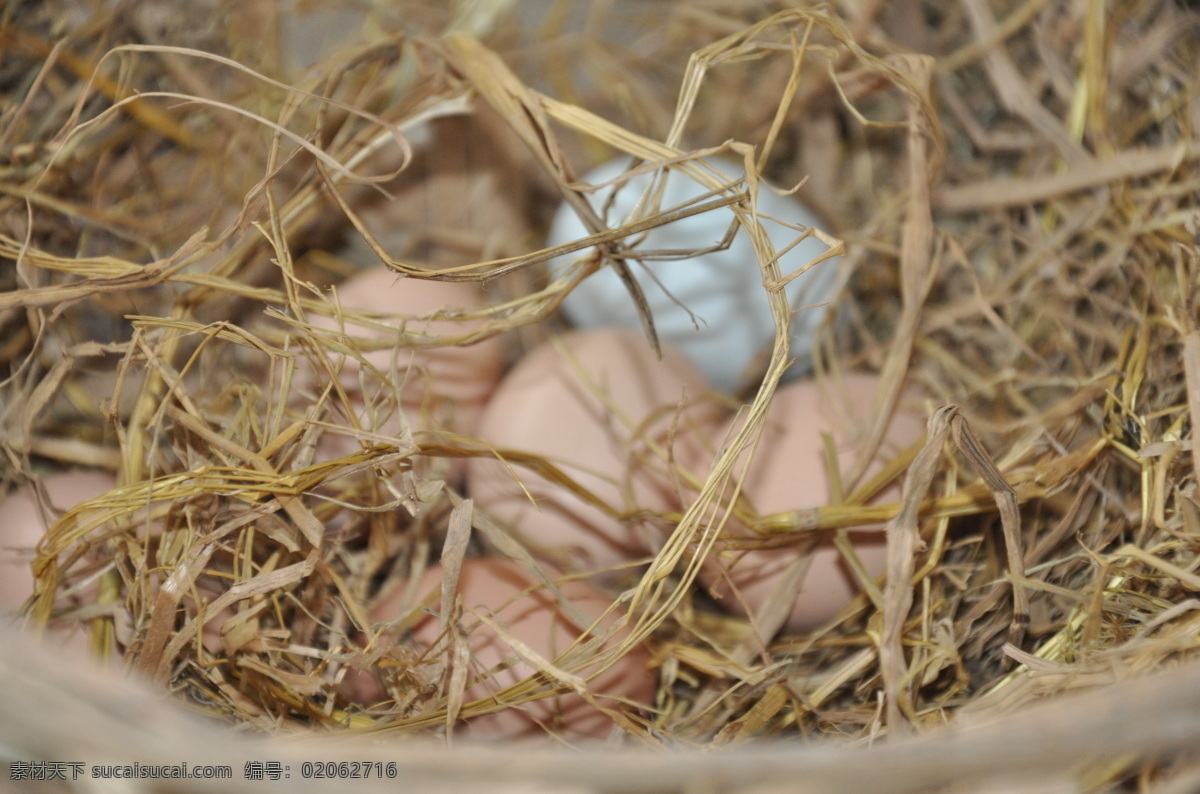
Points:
(1019, 216)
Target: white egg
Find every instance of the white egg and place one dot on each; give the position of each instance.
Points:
(722, 289)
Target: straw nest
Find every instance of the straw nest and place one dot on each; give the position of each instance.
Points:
(1014, 185)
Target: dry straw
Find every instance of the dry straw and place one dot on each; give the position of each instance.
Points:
(1017, 204)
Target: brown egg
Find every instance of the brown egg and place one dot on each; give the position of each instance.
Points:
(23, 522)
(788, 473)
(443, 387)
(596, 433)
(494, 588)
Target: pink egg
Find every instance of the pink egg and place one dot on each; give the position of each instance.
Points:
(23, 522)
(24, 519)
(596, 432)
(495, 588)
(440, 387)
(788, 473)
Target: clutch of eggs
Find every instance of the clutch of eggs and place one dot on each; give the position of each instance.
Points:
(514, 600)
(711, 306)
(788, 473)
(599, 406)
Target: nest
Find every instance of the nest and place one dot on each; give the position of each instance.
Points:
(1012, 190)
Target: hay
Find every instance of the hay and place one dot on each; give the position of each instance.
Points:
(1017, 205)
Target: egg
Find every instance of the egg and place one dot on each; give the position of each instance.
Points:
(24, 519)
(440, 387)
(23, 523)
(589, 404)
(712, 306)
(496, 588)
(788, 473)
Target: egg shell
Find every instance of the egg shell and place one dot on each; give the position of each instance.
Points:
(545, 406)
(494, 587)
(723, 288)
(23, 522)
(788, 473)
(444, 387)
(22, 525)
